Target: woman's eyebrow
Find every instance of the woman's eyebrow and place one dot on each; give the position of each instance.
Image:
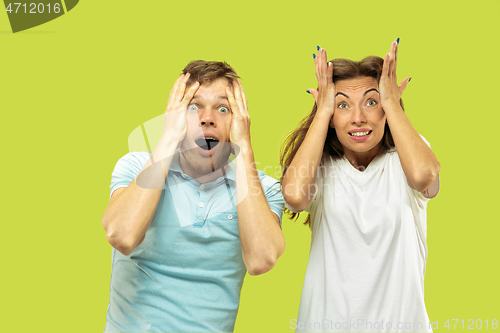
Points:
(372, 89)
(341, 93)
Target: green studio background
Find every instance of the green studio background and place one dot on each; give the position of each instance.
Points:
(73, 89)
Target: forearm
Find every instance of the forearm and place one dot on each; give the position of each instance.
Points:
(261, 238)
(129, 214)
(300, 177)
(419, 163)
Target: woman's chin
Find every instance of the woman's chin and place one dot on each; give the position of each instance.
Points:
(362, 146)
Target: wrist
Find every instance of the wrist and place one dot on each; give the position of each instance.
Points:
(391, 106)
(243, 147)
(166, 146)
(324, 112)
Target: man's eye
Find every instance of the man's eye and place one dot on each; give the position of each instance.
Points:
(223, 109)
(371, 103)
(342, 106)
(193, 107)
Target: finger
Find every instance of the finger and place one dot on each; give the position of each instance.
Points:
(322, 66)
(238, 97)
(316, 69)
(232, 102)
(392, 62)
(329, 73)
(397, 49)
(174, 90)
(395, 65)
(314, 93)
(385, 68)
(188, 96)
(403, 85)
(244, 97)
(179, 93)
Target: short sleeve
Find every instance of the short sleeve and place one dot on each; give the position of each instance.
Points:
(272, 191)
(426, 142)
(126, 169)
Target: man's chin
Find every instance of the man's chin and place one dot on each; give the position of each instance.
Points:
(205, 164)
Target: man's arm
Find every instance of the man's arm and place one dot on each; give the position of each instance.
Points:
(262, 241)
(131, 209)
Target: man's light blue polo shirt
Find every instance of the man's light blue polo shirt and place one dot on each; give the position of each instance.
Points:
(187, 274)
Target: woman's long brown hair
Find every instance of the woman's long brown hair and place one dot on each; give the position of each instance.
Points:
(343, 69)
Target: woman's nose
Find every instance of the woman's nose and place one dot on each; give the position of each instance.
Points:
(358, 116)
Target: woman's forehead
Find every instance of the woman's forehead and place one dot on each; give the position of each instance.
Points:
(360, 84)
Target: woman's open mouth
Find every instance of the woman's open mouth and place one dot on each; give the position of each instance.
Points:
(360, 136)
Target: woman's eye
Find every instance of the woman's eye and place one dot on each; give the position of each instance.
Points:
(342, 106)
(223, 109)
(371, 103)
(193, 107)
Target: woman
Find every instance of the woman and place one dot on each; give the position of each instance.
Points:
(363, 173)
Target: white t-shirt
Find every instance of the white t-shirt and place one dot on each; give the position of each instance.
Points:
(368, 250)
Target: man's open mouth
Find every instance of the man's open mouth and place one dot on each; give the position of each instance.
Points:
(206, 143)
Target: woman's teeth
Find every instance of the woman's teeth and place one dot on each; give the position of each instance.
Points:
(359, 134)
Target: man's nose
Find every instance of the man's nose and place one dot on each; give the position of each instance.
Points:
(207, 117)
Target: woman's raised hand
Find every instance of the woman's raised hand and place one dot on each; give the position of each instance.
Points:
(390, 92)
(325, 95)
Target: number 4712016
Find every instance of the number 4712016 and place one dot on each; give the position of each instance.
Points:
(33, 8)
(472, 324)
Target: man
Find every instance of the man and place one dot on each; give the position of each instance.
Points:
(186, 222)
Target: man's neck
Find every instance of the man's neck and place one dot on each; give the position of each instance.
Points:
(201, 178)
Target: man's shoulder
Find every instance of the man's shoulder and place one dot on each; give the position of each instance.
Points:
(139, 157)
(267, 181)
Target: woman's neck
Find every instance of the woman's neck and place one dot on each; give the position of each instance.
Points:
(361, 160)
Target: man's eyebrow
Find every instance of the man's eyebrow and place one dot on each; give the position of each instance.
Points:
(341, 93)
(218, 97)
(372, 89)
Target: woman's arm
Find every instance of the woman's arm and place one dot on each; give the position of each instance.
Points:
(300, 177)
(419, 163)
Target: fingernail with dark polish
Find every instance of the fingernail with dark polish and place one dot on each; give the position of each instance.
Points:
(397, 40)
(314, 56)
(307, 91)
(317, 47)
(409, 80)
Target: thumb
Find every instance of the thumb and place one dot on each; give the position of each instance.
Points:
(403, 84)
(314, 93)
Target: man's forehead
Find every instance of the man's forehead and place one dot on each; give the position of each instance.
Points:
(209, 97)
(212, 91)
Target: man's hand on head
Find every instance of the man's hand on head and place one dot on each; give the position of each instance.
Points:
(240, 123)
(176, 113)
